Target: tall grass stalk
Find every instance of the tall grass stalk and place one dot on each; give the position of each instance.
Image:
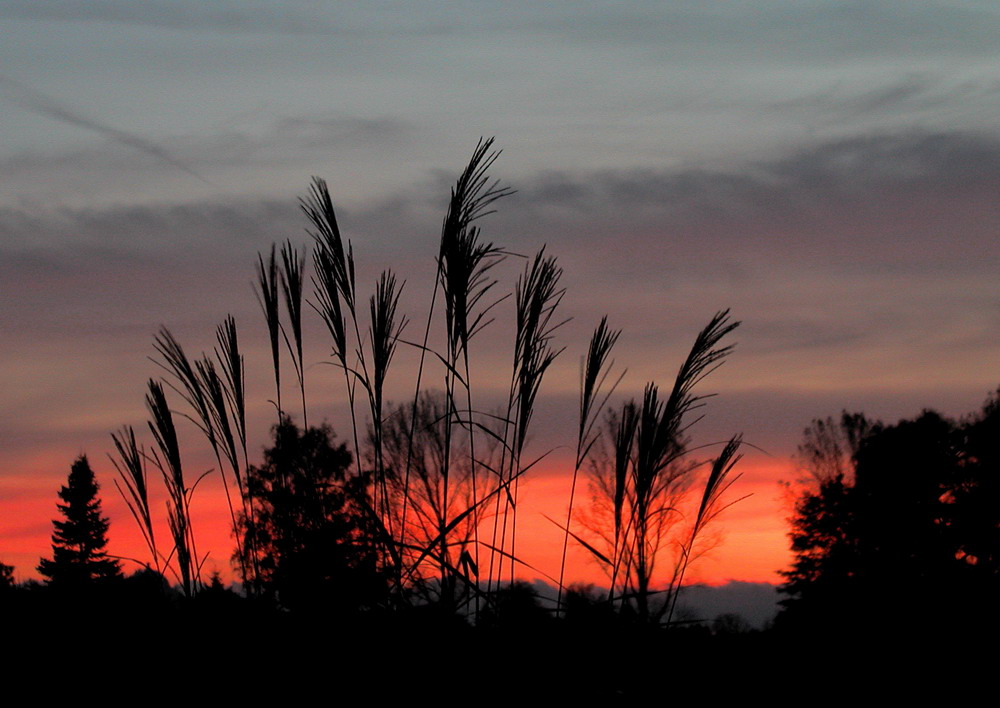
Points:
(267, 295)
(292, 280)
(211, 398)
(335, 290)
(464, 265)
(131, 467)
(719, 481)
(537, 295)
(168, 461)
(646, 480)
(227, 353)
(386, 328)
(593, 375)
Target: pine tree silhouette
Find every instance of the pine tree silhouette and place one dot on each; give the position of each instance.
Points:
(78, 543)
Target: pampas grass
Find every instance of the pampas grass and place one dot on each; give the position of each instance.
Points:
(437, 466)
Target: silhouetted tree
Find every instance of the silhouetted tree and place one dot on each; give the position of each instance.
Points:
(79, 542)
(429, 480)
(6, 577)
(905, 530)
(311, 525)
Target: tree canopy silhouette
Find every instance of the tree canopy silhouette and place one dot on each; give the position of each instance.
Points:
(79, 542)
(903, 523)
(310, 524)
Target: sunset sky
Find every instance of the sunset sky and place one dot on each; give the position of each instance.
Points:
(829, 170)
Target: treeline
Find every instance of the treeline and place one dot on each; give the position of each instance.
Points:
(898, 529)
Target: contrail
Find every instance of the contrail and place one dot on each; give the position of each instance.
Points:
(39, 103)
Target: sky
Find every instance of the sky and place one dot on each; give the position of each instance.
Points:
(828, 171)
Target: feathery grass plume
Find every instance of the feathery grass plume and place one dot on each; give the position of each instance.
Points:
(233, 385)
(176, 363)
(131, 467)
(464, 263)
(217, 397)
(718, 482)
(385, 332)
(214, 392)
(646, 480)
(336, 290)
(465, 281)
(704, 358)
(318, 207)
(292, 268)
(473, 193)
(204, 391)
(168, 460)
(536, 294)
(595, 371)
(328, 304)
(384, 335)
(267, 295)
(231, 363)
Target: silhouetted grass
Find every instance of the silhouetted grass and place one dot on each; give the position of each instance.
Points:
(645, 481)
(437, 466)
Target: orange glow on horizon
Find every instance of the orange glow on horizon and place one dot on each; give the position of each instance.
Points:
(750, 538)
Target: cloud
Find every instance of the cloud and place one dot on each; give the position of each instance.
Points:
(887, 94)
(166, 231)
(44, 105)
(888, 204)
(868, 261)
(851, 202)
(324, 132)
(839, 245)
(283, 151)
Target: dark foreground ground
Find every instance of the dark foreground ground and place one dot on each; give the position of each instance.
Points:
(222, 647)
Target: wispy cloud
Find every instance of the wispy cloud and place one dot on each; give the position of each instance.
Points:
(37, 102)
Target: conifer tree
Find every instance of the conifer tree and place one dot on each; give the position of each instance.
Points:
(78, 542)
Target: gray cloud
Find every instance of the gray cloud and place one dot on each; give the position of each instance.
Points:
(888, 203)
(911, 217)
(44, 105)
(311, 133)
(285, 150)
(862, 245)
(850, 203)
(166, 231)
